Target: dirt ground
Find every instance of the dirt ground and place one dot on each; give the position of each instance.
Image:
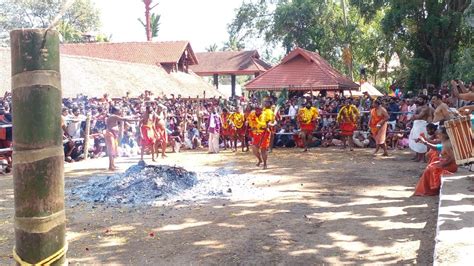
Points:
(326, 206)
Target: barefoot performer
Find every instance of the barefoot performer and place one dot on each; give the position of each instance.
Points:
(378, 126)
(238, 127)
(147, 132)
(160, 134)
(307, 122)
(111, 135)
(226, 131)
(430, 181)
(259, 122)
(347, 119)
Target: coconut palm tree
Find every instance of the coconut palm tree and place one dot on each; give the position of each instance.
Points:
(212, 48)
(233, 44)
(154, 24)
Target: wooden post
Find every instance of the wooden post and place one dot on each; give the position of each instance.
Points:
(86, 137)
(38, 155)
(233, 82)
(216, 81)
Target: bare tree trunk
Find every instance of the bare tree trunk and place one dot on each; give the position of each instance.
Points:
(147, 19)
(38, 156)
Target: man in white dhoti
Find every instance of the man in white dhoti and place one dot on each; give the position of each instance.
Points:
(421, 118)
(214, 128)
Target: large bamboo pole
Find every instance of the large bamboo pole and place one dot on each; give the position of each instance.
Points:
(38, 156)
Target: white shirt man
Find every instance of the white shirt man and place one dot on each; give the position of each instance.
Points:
(411, 111)
(292, 111)
(213, 127)
(74, 126)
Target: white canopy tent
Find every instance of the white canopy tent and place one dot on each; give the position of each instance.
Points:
(364, 87)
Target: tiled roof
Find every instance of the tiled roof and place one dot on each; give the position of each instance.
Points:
(229, 62)
(151, 53)
(94, 77)
(302, 70)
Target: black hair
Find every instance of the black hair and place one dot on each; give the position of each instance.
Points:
(113, 110)
(438, 96)
(424, 97)
(432, 126)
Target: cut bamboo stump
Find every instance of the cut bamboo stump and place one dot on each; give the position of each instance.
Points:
(38, 156)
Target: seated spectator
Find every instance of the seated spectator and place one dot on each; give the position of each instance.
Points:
(361, 139)
(73, 151)
(193, 139)
(430, 181)
(129, 145)
(176, 140)
(284, 138)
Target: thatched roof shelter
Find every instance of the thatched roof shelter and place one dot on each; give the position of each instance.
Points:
(94, 77)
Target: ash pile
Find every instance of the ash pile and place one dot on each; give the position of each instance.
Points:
(140, 184)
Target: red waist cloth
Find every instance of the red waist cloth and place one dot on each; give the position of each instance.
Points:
(239, 131)
(261, 140)
(147, 135)
(347, 128)
(308, 128)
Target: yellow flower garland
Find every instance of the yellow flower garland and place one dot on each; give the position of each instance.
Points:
(352, 112)
(305, 116)
(238, 119)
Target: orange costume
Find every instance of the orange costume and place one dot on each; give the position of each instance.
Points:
(260, 133)
(238, 122)
(307, 118)
(378, 133)
(430, 181)
(147, 132)
(347, 118)
(226, 129)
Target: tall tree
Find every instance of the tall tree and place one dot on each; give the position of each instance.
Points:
(431, 31)
(148, 22)
(233, 44)
(81, 17)
(154, 24)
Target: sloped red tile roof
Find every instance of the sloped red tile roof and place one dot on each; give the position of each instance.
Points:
(229, 62)
(302, 70)
(151, 53)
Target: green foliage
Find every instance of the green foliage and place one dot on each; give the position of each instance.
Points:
(314, 25)
(432, 33)
(81, 17)
(212, 48)
(154, 23)
(433, 39)
(233, 44)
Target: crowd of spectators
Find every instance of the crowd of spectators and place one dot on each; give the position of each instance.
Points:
(186, 120)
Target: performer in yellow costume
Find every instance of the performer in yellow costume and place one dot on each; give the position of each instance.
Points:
(347, 119)
(259, 121)
(237, 121)
(307, 118)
